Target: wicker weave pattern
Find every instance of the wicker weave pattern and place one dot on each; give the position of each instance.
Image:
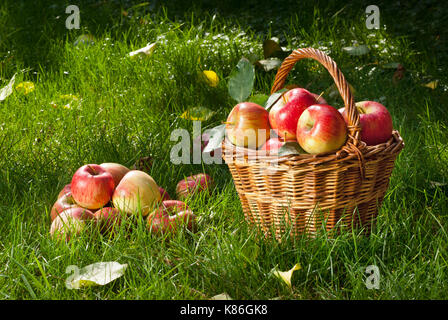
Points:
(301, 192)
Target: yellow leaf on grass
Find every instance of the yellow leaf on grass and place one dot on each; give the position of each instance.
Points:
(286, 275)
(211, 78)
(66, 101)
(97, 274)
(432, 84)
(221, 296)
(25, 87)
(198, 114)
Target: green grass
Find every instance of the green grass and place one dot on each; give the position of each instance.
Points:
(128, 108)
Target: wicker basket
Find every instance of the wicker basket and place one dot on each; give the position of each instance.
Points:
(301, 193)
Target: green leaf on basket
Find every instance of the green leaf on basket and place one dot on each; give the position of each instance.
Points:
(357, 50)
(290, 148)
(269, 64)
(198, 114)
(273, 98)
(96, 274)
(286, 275)
(7, 90)
(217, 135)
(241, 80)
(259, 98)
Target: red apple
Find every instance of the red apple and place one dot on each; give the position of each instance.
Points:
(116, 170)
(375, 121)
(67, 188)
(64, 202)
(321, 129)
(285, 113)
(273, 145)
(248, 125)
(92, 186)
(136, 192)
(170, 216)
(164, 194)
(70, 222)
(108, 218)
(192, 185)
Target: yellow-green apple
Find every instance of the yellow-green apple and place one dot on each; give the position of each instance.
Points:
(64, 202)
(70, 222)
(273, 145)
(321, 129)
(108, 219)
(136, 192)
(375, 121)
(285, 113)
(248, 125)
(116, 170)
(92, 186)
(67, 188)
(170, 216)
(164, 194)
(194, 184)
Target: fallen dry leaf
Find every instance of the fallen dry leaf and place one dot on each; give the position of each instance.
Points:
(99, 273)
(286, 275)
(211, 78)
(143, 52)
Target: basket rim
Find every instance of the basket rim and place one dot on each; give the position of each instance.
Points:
(391, 147)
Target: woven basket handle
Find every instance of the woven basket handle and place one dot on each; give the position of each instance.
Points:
(338, 77)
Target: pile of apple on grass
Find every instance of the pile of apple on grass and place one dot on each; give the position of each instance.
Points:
(305, 118)
(106, 194)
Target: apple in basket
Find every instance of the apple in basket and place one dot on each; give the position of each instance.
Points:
(285, 113)
(319, 99)
(170, 216)
(92, 186)
(70, 222)
(136, 192)
(321, 129)
(248, 125)
(273, 145)
(375, 121)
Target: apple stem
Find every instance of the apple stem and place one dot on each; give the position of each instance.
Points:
(226, 122)
(94, 171)
(360, 110)
(321, 94)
